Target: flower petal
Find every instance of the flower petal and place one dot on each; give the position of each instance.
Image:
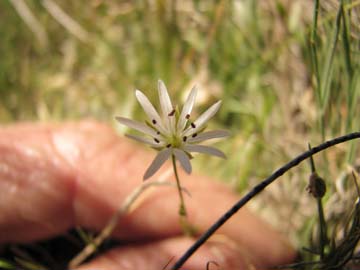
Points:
(213, 134)
(150, 111)
(164, 98)
(159, 160)
(166, 107)
(199, 123)
(137, 126)
(149, 141)
(183, 158)
(204, 149)
(189, 103)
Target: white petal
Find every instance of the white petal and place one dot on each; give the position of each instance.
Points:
(149, 141)
(166, 107)
(189, 103)
(137, 126)
(199, 123)
(150, 111)
(159, 160)
(204, 149)
(208, 135)
(183, 158)
(164, 98)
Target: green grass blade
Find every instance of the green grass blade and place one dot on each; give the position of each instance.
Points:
(313, 49)
(29, 264)
(327, 73)
(346, 42)
(6, 265)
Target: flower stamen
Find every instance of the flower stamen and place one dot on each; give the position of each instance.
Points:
(156, 140)
(172, 113)
(154, 121)
(169, 145)
(187, 116)
(194, 135)
(184, 139)
(193, 125)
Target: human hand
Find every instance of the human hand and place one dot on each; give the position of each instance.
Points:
(57, 176)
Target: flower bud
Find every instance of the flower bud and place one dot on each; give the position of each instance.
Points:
(316, 186)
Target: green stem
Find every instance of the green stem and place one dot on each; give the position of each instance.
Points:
(182, 209)
(322, 225)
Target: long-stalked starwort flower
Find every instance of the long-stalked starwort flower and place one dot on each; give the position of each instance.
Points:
(173, 133)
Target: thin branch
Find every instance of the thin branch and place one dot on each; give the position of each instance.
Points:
(256, 190)
(106, 232)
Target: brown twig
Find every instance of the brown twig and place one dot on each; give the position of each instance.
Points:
(106, 232)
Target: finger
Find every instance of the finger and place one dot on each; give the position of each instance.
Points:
(206, 204)
(59, 176)
(156, 216)
(40, 167)
(156, 255)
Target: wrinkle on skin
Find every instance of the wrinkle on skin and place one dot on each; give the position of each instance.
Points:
(82, 172)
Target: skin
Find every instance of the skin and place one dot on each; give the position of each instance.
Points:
(56, 176)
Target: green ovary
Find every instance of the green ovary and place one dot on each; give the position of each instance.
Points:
(175, 141)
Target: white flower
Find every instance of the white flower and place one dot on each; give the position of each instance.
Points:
(173, 133)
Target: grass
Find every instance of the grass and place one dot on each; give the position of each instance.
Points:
(287, 75)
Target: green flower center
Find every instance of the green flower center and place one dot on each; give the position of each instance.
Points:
(175, 141)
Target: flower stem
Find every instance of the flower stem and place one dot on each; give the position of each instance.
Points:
(182, 209)
(187, 228)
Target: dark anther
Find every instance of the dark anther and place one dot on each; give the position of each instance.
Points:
(184, 138)
(169, 145)
(158, 132)
(194, 135)
(193, 125)
(154, 121)
(172, 113)
(187, 116)
(156, 140)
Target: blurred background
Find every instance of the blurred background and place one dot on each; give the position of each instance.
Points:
(287, 77)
